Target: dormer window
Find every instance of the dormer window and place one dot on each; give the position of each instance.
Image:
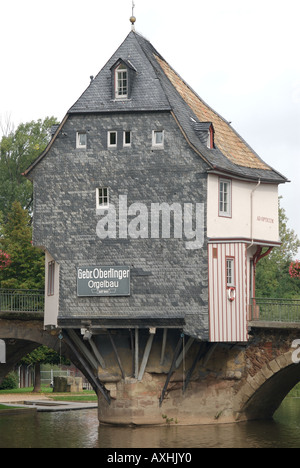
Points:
(121, 82)
(123, 74)
(205, 132)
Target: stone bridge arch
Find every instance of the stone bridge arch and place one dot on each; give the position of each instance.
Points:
(31, 330)
(262, 394)
(22, 337)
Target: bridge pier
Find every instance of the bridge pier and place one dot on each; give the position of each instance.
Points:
(137, 403)
(158, 377)
(167, 378)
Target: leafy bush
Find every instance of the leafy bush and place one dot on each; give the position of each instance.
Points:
(10, 382)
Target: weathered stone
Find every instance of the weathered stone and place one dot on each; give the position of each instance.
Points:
(67, 384)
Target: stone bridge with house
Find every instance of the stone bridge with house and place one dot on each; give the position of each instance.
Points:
(150, 375)
(155, 216)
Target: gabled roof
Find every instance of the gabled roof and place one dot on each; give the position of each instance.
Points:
(147, 94)
(157, 87)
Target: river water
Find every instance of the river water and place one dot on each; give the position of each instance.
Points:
(80, 429)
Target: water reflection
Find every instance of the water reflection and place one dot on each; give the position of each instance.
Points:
(72, 429)
(267, 434)
(76, 429)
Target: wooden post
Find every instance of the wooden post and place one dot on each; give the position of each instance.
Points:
(146, 356)
(136, 371)
(176, 354)
(184, 351)
(97, 353)
(163, 348)
(117, 355)
(132, 350)
(87, 354)
(95, 382)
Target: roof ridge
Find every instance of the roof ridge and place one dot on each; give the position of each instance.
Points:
(153, 64)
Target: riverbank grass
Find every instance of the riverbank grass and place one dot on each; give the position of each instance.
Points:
(6, 407)
(85, 395)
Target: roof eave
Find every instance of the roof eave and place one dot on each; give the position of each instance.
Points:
(248, 177)
(27, 172)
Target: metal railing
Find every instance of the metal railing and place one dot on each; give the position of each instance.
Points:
(260, 309)
(275, 310)
(22, 300)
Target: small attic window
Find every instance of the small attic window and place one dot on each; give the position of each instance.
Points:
(210, 138)
(123, 75)
(121, 82)
(205, 132)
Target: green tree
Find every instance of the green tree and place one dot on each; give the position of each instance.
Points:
(272, 272)
(18, 149)
(41, 355)
(26, 269)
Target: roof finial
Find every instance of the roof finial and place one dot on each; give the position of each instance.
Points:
(132, 18)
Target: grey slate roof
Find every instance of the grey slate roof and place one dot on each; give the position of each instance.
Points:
(157, 87)
(147, 93)
(154, 91)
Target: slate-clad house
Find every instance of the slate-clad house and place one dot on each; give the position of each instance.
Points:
(153, 213)
(137, 137)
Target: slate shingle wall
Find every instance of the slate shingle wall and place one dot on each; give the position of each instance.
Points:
(167, 280)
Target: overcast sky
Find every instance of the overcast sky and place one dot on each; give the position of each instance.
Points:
(240, 56)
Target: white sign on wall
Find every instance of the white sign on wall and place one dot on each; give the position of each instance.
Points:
(103, 281)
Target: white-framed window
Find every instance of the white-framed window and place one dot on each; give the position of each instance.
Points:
(230, 272)
(81, 140)
(102, 198)
(51, 271)
(225, 197)
(158, 137)
(126, 138)
(121, 82)
(112, 139)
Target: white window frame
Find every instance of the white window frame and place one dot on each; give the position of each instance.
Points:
(121, 91)
(224, 199)
(109, 144)
(78, 143)
(230, 273)
(155, 144)
(102, 193)
(126, 145)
